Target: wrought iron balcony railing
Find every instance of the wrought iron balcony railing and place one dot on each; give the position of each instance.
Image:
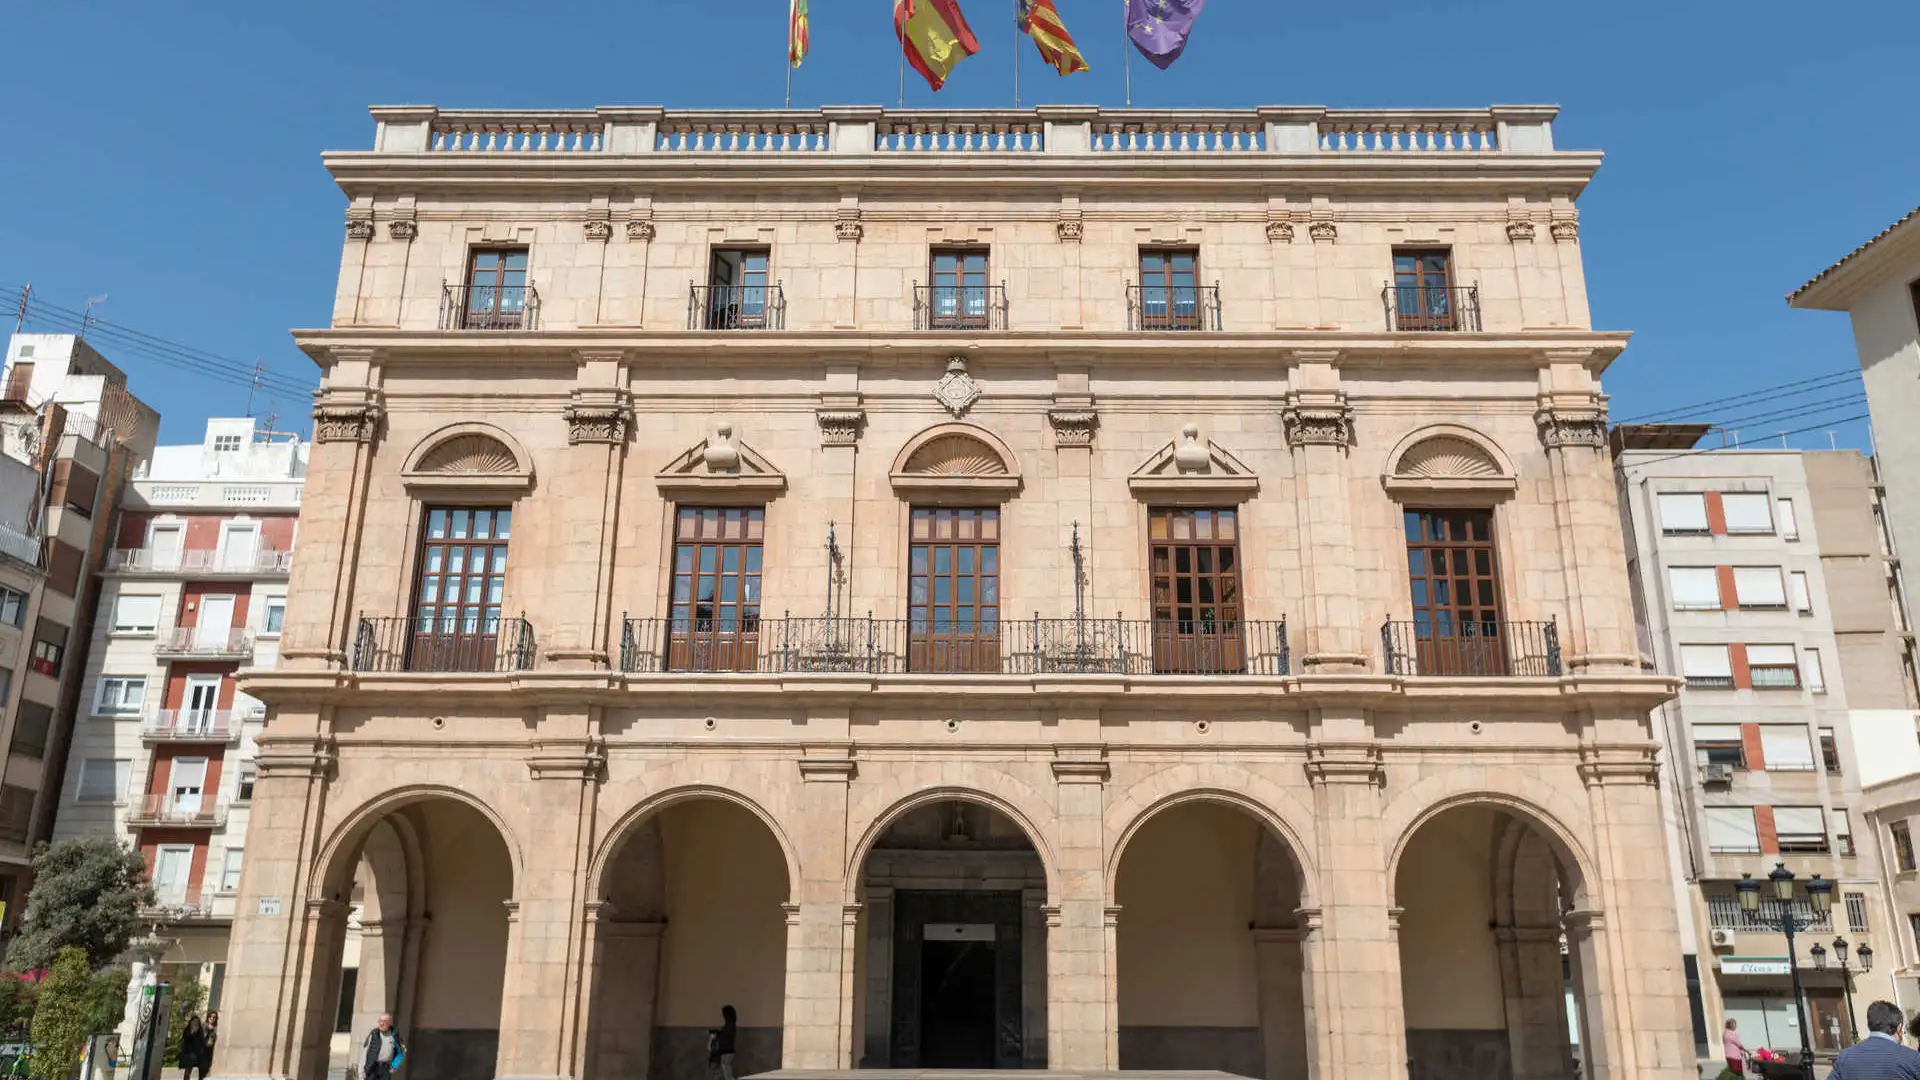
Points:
(396, 643)
(193, 641)
(1471, 648)
(1173, 307)
(959, 307)
(1036, 646)
(197, 811)
(489, 307)
(1429, 309)
(736, 307)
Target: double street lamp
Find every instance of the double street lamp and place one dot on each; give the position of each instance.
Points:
(1865, 955)
(1782, 919)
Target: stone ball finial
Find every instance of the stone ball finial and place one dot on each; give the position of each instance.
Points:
(1191, 454)
(722, 455)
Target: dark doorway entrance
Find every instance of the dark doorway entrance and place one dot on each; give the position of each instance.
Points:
(956, 1004)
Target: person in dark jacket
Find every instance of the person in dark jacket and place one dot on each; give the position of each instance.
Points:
(382, 1050)
(193, 1048)
(1881, 1055)
(213, 1035)
(720, 1045)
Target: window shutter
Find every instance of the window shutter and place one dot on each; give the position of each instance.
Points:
(1789, 522)
(103, 779)
(83, 487)
(1732, 828)
(1790, 821)
(1759, 586)
(136, 613)
(64, 563)
(1747, 512)
(1802, 596)
(1706, 662)
(1683, 512)
(1720, 733)
(1694, 588)
(1810, 670)
(1786, 748)
(1770, 656)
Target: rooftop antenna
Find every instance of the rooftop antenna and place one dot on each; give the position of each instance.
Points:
(1736, 438)
(86, 317)
(1783, 440)
(253, 384)
(20, 314)
(1833, 442)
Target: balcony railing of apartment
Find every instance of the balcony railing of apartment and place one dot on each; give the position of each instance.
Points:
(1472, 648)
(736, 307)
(394, 643)
(200, 563)
(1420, 308)
(19, 545)
(1036, 646)
(166, 809)
(181, 904)
(191, 725)
(959, 307)
(1723, 913)
(1173, 307)
(192, 641)
(489, 307)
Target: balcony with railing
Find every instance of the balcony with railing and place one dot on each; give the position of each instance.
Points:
(489, 307)
(736, 307)
(393, 644)
(1036, 646)
(959, 307)
(191, 725)
(183, 811)
(1471, 648)
(1432, 309)
(198, 643)
(200, 563)
(18, 545)
(188, 905)
(1192, 308)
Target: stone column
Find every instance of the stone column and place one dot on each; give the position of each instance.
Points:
(1277, 959)
(1350, 950)
(876, 1046)
(346, 422)
(1083, 1027)
(599, 419)
(1536, 1008)
(1033, 976)
(1319, 428)
(622, 977)
(822, 921)
(1572, 418)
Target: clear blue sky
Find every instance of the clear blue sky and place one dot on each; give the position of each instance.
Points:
(167, 155)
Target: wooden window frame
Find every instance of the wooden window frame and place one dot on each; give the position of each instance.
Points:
(1196, 646)
(496, 316)
(1446, 646)
(961, 316)
(1171, 316)
(721, 314)
(729, 640)
(430, 648)
(1901, 835)
(974, 649)
(1421, 317)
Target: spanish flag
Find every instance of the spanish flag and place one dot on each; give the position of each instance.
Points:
(796, 31)
(935, 36)
(1040, 20)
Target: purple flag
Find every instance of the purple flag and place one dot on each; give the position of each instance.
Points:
(1159, 28)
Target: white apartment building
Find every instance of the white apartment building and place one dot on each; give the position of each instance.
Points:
(163, 750)
(1764, 579)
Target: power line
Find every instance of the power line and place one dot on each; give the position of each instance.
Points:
(1728, 449)
(1792, 411)
(1807, 385)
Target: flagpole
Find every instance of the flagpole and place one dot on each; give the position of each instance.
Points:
(1126, 51)
(789, 76)
(1016, 54)
(903, 74)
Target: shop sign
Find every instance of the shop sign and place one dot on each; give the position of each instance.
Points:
(1753, 965)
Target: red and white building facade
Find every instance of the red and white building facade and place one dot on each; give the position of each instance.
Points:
(195, 590)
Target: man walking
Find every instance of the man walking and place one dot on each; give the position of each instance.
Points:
(1881, 1055)
(384, 1050)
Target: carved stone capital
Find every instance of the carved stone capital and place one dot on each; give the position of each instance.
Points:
(1519, 229)
(840, 427)
(598, 229)
(359, 228)
(1324, 232)
(403, 229)
(847, 224)
(1345, 763)
(585, 760)
(1629, 766)
(1561, 428)
(1565, 230)
(1280, 232)
(346, 416)
(828, 770)
(1073, 427)
(1318, 423)
(640, 229)
(599, 416)
(1070, 230)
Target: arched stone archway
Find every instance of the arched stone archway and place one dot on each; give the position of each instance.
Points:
(690, 916)
(950, 961)
(1208, 943)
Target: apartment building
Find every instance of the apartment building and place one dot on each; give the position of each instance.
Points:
(195, 589)
(1067, 587)
(1766, 582)
(70, 433)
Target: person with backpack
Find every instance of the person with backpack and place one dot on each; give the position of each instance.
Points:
(383, 1051)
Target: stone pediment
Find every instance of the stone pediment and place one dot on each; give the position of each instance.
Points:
(476, 456)
(1190, 469)
(955, 461)
(721, 465)
(1448, 461)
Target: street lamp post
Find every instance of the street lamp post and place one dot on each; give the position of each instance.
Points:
(1820, 899)
(1840, 949)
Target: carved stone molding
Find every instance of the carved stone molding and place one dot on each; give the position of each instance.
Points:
(403, 229)
(840, 427)
(640, 229)
(1073, 427)
(341, 417)
(957, 391)
(1354, 763)
(1323, 231)
(828, 770)
(1519, 229)
(1081, 771)
(1560, 428)
(359, 228)
(599, 416)
(585, 761)
(1069, 230)
(307, 759)
(847, 224)
(1318, 424)
(1625, 765)
(1280, 232)
(1566, 230)
(598, 229)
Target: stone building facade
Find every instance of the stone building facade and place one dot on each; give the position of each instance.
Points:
(1070, 587)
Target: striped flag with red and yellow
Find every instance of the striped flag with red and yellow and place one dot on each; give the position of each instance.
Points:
(796, 31)
(1040, 20)
(935, 36)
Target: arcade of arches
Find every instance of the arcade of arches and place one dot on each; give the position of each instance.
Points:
(951, 940)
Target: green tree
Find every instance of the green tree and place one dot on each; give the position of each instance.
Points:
(187, 996)
(16, 1005)
(108, 999)
(61, 1017)
(87, 894)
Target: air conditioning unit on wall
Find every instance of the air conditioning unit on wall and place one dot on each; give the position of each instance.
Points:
(1721, 939)
(1716, 774)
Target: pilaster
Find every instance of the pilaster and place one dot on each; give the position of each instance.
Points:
(1572, 419)
(1319, 429)
(823, 916)
(347, 415)
(1083, 1029)
(599, 420)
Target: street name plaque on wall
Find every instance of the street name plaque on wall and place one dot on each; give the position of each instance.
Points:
(1753, 965)
(269, 906)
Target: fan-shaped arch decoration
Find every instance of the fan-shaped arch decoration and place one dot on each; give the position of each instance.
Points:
(469, 456)
(958, 459)
(1448, 460)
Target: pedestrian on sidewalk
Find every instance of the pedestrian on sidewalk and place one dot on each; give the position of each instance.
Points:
(213, 1034)
(1881, 1055)
(721, 1042)
(1736, 1050)
(383, 1051)
(193, 1048)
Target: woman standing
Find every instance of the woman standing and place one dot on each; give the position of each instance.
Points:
(1736, 1050)
(193, 1048)
(213, 1035)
